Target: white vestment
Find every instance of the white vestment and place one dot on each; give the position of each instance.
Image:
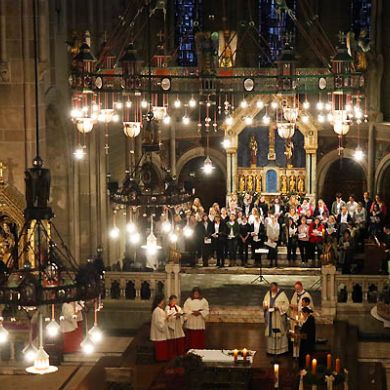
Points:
(158, 327)
(175, 324)
(196, 322)
(296, 300)
(71, 313)
(276, 319)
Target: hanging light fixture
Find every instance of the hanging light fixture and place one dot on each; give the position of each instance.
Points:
(95, 333)
(79, 153)
(30, 352)
(192, 102)
(286, 130)
(85, 125)
(151, 247)
(131, 129)
(87, 345)
(208, 166)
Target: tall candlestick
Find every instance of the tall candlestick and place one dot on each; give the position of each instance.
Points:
(308, 358)
(235, 355)
(276, 374)
(329, 361)
(314, 366)
(244, 354)
(338, 365)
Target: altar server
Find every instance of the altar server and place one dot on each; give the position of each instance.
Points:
(275, 307)
(71, 326)
(159, 329)
(307, 335)
(176, 336)
(196, 310)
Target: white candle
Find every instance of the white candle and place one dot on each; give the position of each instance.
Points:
(276, 373)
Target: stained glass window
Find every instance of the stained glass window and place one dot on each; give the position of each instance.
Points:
(274, 23)
(188, 22)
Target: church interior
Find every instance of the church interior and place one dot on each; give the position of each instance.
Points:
(193, 194)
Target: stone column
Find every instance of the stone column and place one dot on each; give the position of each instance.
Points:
(177, 284)
(168, 286)
(371, 159)
(172, 147)
(229, 173)
(311, 145)
(234, 170)
(328, 291)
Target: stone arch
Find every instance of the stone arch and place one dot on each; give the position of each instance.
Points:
(217, 157)
(383, 165)
(327, 160)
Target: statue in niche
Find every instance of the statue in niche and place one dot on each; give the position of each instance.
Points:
(292, 184)
(283, 184)
(249, 183)
(259, 183)
(253, 150)
(301, 185)
(227, 48)
(7, 241)
(271, 143)
(288, 152)
(241, 184)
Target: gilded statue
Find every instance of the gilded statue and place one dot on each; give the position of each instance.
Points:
(328, 254)
(259, 183)
(241, 184)
(301, 185)
(289, 152)
(292, 184)
(253, 150)
(283, 184)
(7, 242)
(249, 184)
(229, 43)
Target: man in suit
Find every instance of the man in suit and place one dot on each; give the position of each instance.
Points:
(205, 228)
(367, 202)
(337, 205)
(218, 238)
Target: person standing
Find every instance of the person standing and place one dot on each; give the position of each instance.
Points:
(196, 310)
(303, 239)
(307, 335)
(337, 205)
(292, 240)
(233, 233)
(316, 238)
(71, 326)
(243, 241)
(273, 232)
(159, 329)
(275, 306)
(218, 234)
(176, 336)
(296, 300)
(367, 202)
(257, 235)
(204, 228)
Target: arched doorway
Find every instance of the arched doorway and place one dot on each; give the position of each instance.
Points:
(345, 176)
(209, 188)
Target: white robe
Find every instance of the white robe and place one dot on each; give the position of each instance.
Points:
(159, 327)
(196, 322)
(297, 300)
(277, 343)
(71, 313)
(175, 325)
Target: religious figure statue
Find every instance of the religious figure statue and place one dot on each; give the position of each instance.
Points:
(253, 150)
(7, 241)
(283, 184)
(271, 143)
(328, 254)
(241, 184)
(292, 183)
(359, 48)
(259, 183)
(288, 152)
(249, 183)
(227, 48)
(301, 185)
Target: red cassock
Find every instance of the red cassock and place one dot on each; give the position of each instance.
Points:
(161, 350)
(72, 340)
(195, 339)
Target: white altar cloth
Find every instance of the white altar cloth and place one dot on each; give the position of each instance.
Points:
(220, 356)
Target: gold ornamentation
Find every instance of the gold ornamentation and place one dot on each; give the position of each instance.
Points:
(301, 185)
(283, 184)
(249, 184)
(259, 183)
(292, 183)
(253, 150)
(241, 184)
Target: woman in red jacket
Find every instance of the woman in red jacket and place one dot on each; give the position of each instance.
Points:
(316, 238)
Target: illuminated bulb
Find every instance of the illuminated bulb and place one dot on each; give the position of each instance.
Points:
(119, 105)
(114, 232)
(3, 334)
(320, 106)
(135, 238)
(229, 120)
(208, 166)
(248, 120)
(266, 119)
(260, 104)
(79, 153)
(186, 120)
(115, 118)
(166, 119)
(95, 334)
(358, 155)
(85, 109)
(87, 346)
(328, 106)
(30, 353)
(130, 227)
(348, 107)
(244, 103)
(305, 119)
(166, 226)
(75, 113)
(274, 105)
(306, 105)
(192, 102)
(188, 232)
(177, 103)
(95, 107)
(329, 117)
(53, 328)
(144, 103)
(173, 238)
(226, 143)
(128, 104)
(358, 114)
(321, 118)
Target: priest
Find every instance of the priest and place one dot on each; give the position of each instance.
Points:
(296, 300)
(196, 310)
(275, 307)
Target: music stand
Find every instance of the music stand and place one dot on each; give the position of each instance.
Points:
(260, 277)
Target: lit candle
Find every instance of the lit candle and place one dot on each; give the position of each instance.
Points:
(235, 355)
(314, 366)
(296, 318)
(328, 361)
(338, 366)
(244, 354)
(308, 361)
(276, 373)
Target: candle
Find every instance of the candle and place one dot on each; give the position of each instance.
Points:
(308, 361)
(338, 366)
(276, 374)
(328, 361)
(244, 354)
(314, 366)
(235, 355)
